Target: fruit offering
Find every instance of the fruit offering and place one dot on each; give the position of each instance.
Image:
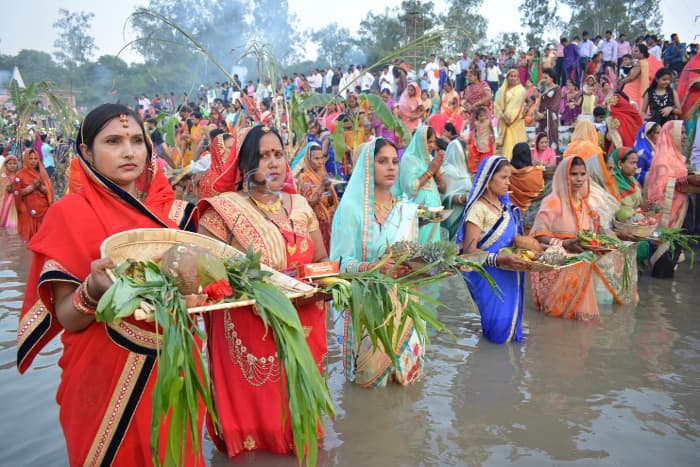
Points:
(631, 216)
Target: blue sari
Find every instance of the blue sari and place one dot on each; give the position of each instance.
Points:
(644, 150)
(357, 239)
(501, 314)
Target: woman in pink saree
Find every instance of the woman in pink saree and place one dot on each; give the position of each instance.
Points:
(411, 107)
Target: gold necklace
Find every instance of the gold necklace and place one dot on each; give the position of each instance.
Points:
(273, 208)
(388, 206)
(500, 208)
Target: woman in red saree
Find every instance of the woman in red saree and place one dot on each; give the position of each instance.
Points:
(34, 195)
(220, 151)
(568, 292)
(108, 369)
(254, 211)
(623, 124)
(477, 94)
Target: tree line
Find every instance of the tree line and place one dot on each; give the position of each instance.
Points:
(225, 30)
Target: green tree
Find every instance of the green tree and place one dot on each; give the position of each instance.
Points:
(631, 17)
(38, 66)
(540, 18)
(74, 45)
(465, 26)
(334, 44)
(507, 39)
(380, 34)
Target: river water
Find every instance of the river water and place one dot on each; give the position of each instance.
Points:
(625, 391)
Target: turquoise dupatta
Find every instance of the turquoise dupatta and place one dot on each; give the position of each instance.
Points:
(356, 236)
(414, 164)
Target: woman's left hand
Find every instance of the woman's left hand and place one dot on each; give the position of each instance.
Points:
(666, 111)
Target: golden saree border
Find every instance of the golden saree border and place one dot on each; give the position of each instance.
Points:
(120, 410)
(31, 329)
(250, 228)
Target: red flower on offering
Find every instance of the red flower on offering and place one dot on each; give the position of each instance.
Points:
(218, 290)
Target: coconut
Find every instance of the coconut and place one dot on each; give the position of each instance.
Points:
(193, 267)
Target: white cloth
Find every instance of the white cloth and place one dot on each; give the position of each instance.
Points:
(655, 51)
(201, 165)
(609, 49)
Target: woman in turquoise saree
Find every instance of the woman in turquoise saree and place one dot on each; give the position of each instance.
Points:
(458, 184)
(491, 222)
(420, 175)
(371, 215)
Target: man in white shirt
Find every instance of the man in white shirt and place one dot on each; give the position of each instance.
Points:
(328, 80)
(386, 80)
(366, 80)
(654, 47)
(609, 49)
(464, 62)
(585, 53)
(433, 70)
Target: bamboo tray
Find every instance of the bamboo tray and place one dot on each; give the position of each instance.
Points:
(689, 188)
(635, 230)
(150, 244)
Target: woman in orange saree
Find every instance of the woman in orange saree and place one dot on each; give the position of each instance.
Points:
(584, 141)
(568, 292)
(254, 211)
(526, 181)
(315, 186)
(34, 195)
(108, 370)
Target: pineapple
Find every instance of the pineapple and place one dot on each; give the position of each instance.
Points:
(405, 248)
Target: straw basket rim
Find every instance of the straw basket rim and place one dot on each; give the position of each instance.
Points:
(148, 243)
(636, 230)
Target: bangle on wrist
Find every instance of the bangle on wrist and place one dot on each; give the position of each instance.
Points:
(80, 304)
(492, 260)
(86, 291)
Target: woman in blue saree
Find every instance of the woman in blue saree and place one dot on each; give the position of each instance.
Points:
(644, 147)
(421, 178)
(492, 222)
(370, 216)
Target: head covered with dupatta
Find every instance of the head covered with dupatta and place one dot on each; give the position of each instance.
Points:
(244, 159)
(357, 204)
(487, 169)
(557, 215)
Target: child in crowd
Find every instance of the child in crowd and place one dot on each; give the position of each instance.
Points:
(601, 126)
(481, 140)
(625, 66)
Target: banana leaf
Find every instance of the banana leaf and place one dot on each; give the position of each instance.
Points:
(387, 118)
(338, 142)
(169, 130)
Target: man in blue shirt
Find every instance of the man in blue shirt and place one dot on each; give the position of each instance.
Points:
(673, 57)
(585, 53)
(47, 155)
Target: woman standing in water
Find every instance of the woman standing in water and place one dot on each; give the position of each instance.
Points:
(34, 195)
(108, 369)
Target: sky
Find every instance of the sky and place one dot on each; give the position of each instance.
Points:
(22, 31)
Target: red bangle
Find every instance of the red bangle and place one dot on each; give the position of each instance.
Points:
(79, 305)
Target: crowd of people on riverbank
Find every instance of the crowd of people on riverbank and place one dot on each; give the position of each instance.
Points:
(230, 165)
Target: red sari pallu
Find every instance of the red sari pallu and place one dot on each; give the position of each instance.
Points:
(108, 369)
